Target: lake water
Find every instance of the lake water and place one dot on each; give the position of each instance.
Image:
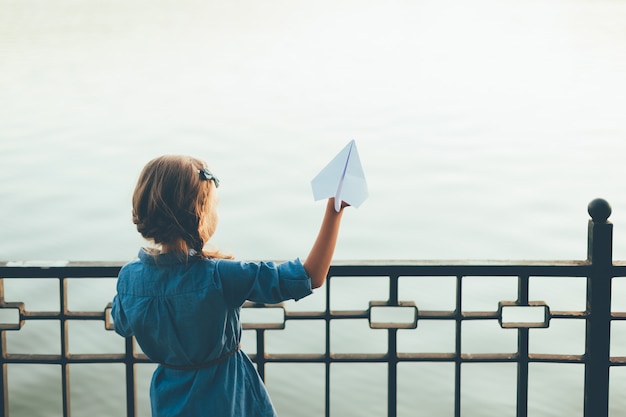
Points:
(484, 128)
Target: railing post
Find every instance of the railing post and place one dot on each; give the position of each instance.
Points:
(598, 324)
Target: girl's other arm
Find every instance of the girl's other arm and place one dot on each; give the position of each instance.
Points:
(318, 262)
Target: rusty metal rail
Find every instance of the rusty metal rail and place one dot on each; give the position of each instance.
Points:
(598, 271)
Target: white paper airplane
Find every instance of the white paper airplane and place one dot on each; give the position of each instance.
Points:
(342, 178)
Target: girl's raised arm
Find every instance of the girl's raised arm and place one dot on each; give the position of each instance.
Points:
(318, 262)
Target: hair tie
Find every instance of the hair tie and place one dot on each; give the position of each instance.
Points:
(206, 175)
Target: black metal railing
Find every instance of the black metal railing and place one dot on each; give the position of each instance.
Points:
(392, 314)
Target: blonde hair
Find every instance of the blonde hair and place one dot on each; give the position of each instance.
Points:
(174, 205)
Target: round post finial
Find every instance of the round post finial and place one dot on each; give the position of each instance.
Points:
(599, 210)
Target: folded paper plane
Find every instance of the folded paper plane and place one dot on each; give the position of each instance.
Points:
(342, 178)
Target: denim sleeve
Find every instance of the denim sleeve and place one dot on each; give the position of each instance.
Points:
(263, 282)
(120, 322)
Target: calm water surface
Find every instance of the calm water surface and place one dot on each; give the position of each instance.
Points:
(484, 128)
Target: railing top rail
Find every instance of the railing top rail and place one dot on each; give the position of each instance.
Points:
(573, 268)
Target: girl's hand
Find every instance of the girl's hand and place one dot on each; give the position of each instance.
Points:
(331, 203)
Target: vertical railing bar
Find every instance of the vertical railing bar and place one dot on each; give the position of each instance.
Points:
(392, 352)
(4, 388)
(392, 374)
(65, 367)
(522, 350)
(131, 395)
(523, 290)
(393, 289)
(5, 383)
(260, 352)
(327, 393)
(327, 358)
(457, 357)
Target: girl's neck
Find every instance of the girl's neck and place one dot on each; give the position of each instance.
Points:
(178, 246)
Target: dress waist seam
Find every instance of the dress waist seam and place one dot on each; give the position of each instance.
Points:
(202, 365)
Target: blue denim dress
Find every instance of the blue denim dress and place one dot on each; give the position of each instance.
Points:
(184, 312)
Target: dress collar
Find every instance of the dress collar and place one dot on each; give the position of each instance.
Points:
(169, 258)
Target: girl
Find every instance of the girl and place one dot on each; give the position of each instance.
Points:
(182, 302)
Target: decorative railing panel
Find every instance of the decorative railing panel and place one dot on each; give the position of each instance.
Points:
(399, 317)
